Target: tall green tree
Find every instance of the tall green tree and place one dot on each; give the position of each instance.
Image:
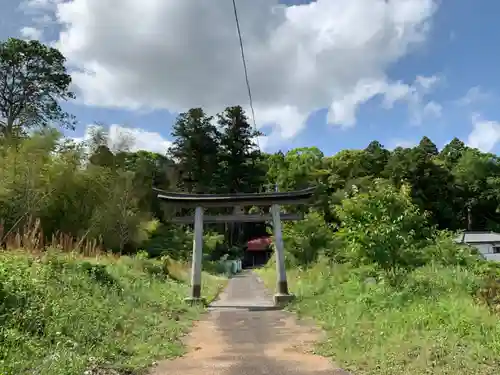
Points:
(452, 152)
(33, 82)
(431, 182)
(239, 156)
(241, 164)
(428, 147)
(150, 170)
(196, 151)
(476, 185)
(374, 159)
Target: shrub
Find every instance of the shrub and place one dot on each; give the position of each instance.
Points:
(384, 227)
(429, 323)
(444, 250)
(60, 314)
(305, 240)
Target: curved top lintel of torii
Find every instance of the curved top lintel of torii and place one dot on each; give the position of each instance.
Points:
(239, 199)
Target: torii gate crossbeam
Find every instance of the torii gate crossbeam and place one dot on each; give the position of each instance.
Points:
(202, 201)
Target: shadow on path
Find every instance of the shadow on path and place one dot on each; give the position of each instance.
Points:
(245, 334)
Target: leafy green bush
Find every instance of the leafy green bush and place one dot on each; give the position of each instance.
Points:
(61, 315)
(444, 250)
(384, 227)
(430, 323)
(305, 240)
(170, 240)
(211, 243)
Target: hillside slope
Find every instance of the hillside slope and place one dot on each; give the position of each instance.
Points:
(61, 314)
(430, 324)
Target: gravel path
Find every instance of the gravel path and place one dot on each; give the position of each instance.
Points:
(243, 334)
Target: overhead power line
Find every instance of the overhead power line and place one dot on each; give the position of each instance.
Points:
(245, 67)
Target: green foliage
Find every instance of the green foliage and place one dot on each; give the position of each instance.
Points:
(40, 179)
(169, 240)
(33, 81)
(384, 227)
(211, 242)
(64, 315)
(298, 169)
(445, 251)
(430, 323)
(306, 240)
(240, 169)
(195, 147)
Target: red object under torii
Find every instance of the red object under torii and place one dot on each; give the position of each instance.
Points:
(259, 244)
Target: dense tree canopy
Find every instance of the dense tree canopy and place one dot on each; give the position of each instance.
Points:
(93, 192)
(33, 79)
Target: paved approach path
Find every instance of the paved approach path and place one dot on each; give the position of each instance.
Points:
(242, 334)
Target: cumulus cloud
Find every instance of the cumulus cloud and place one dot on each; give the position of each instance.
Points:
(43, 16)
(31, 33)
(133, 139)
(474, 96)
(34, 6)
(405, 143)
(485, 134)
(343, 111)
(433, 109)
(179, 54)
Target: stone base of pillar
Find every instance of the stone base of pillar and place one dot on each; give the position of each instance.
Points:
(283, 299)
(195, 301)
(282, 287)
(195, 298)
(196, 291)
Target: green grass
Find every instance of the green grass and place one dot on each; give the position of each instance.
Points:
(61, 314)
(429, 325)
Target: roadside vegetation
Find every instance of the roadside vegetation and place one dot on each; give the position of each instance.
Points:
(394, 295)
(374, 261)
(66, 314)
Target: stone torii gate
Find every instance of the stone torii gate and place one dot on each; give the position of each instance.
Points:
(238, 201)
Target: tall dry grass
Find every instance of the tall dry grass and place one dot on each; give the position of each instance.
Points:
(29, 237)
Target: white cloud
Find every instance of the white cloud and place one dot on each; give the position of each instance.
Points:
(179, 54)
(42, 13)
(31, 33)
(405, 143)
(36, 5)
(475, 95)
(485, 134)
(343, 111)
(426, 82)
(135, 139)
(433, 109)
(287, 123)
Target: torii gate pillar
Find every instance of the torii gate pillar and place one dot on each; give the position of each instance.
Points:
(282, 295)
(197, 258)
(201, 201)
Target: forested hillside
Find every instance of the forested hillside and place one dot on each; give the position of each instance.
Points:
(379, 217)
(90, 192)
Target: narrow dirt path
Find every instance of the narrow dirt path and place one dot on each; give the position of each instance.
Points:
(244, 335)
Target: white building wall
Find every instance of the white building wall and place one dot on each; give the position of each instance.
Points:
(487, 251)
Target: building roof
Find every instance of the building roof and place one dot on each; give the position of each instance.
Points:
(259, 244)
(478, 237)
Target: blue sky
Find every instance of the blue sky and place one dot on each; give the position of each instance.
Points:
(458, 50)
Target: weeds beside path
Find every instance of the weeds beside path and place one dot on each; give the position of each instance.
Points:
(431, 324)
(63, 314)
(243, 334)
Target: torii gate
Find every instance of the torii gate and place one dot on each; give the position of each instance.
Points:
(238, 201)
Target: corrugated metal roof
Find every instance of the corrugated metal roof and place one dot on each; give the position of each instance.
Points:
(478, 237)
